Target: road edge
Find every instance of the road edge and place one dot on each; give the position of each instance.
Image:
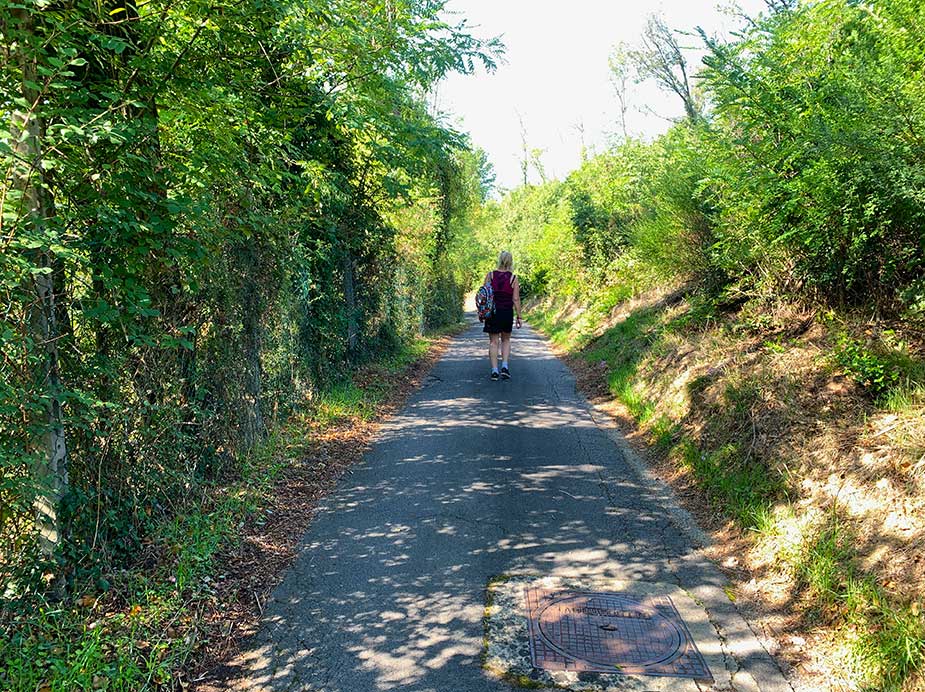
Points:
(738, 639)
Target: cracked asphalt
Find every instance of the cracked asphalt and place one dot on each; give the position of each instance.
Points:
(474, 479)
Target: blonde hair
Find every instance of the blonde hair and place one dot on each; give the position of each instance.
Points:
(505, 261)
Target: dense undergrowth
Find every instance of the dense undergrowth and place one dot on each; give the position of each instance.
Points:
(142, 627)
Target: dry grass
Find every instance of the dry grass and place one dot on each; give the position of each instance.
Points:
(746, 394)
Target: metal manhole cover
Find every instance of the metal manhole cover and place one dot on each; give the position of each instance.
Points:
(610, 633)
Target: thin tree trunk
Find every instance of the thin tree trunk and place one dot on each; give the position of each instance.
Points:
(254, 426)
(353, 329)
(50, 470)
(37, 208)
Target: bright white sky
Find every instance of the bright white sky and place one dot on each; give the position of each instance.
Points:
(555, 76)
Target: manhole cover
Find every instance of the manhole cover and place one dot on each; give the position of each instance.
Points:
(610, 632)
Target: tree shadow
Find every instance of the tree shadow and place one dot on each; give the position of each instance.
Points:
(473, 479)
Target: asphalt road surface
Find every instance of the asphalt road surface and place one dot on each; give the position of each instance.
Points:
(472, 479)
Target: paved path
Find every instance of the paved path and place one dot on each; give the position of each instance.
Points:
(472, 479)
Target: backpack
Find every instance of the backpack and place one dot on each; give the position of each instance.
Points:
(485, 300)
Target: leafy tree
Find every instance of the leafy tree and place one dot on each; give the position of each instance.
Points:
(818, 149)
(202, 212)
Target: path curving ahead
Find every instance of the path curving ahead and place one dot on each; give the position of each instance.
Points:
(473, 479)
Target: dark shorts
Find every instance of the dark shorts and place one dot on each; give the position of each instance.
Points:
(501, 321)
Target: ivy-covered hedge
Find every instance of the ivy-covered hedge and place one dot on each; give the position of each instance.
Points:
(210, 210)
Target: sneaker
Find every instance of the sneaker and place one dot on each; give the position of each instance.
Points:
(505, 374)
(495, 376)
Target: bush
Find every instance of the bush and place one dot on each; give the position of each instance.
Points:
(817, 138)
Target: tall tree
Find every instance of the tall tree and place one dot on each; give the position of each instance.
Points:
(525, 150)
(35, 218)
(620, 72)
(660, 57)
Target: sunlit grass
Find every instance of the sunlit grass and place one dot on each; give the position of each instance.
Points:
(664, 431)
(739, 487)
(360, 395)
(345, 400)
(880, 637)
(884, 638)
(904, 397)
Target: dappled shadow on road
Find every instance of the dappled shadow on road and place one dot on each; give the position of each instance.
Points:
(474, 479)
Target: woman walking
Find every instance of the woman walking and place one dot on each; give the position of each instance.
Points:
(498, 325)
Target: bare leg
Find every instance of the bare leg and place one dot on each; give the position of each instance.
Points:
(493, 350)
(505, 347)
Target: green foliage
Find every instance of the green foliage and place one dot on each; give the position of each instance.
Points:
(604, 201)
(675, 232)
(882, 365)
(533, 223)
(209, 214)
(887, 639)
(804, 175)
(818, 148)
(866, 367)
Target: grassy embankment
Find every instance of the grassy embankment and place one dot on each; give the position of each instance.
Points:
(803, 433)
(146, 627)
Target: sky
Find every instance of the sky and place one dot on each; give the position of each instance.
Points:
(555, 76)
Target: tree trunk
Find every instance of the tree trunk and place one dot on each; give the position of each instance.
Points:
(353, 329)
(254, 426)
(50, 470)
(37, 208)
